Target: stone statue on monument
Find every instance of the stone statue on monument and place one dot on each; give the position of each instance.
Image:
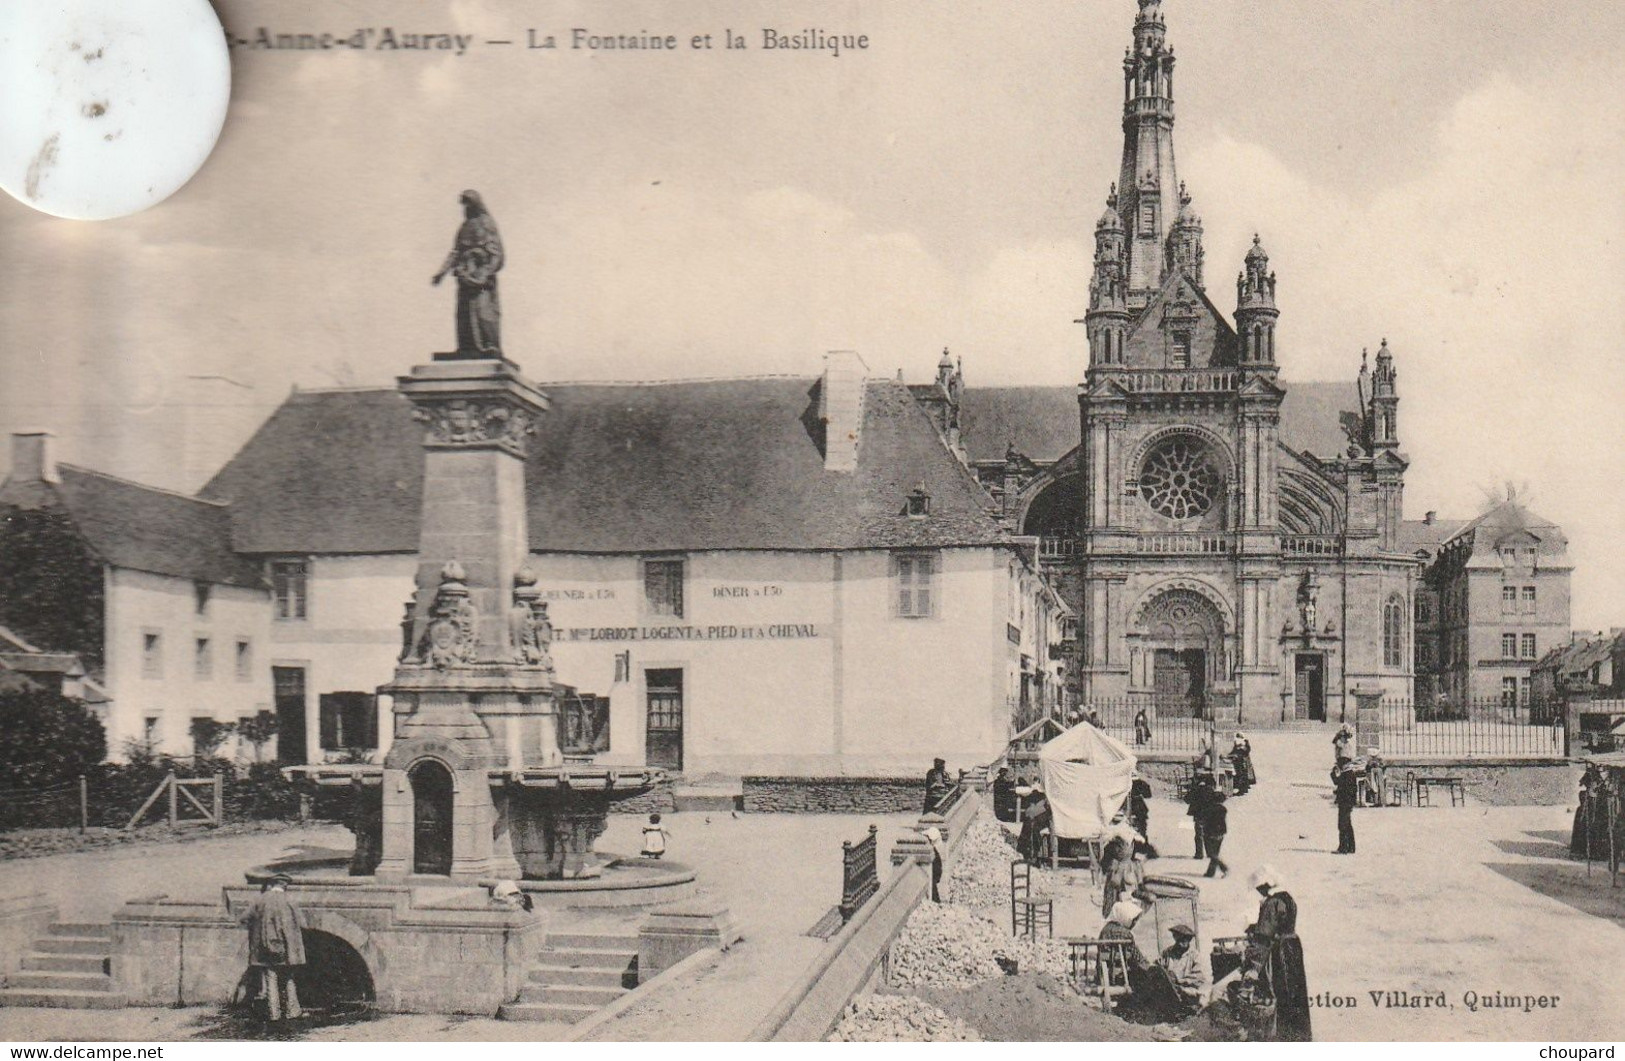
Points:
(474, 262)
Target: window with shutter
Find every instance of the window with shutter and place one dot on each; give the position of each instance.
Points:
(663, 587)
(915, 577)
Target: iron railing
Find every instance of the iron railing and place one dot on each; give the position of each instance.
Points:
(1489, 728)
(1151, 722)
(860, 873)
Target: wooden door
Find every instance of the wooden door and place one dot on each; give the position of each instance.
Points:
(1309, 687)
(288, 693)
(431, 818)
(663, 735)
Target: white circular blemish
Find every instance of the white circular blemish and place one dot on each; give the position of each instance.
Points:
(108, 106)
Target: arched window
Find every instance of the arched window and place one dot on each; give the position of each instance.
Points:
(1393, 633)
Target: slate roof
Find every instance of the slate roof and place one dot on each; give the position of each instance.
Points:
(1417, 535)
(1579, 657)
(141, 528)
(1510, 517)
(721, 464)
(1042, 422)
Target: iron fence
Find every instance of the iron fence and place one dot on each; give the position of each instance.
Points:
(1152, 723)
(860, 873)
(1485, 728)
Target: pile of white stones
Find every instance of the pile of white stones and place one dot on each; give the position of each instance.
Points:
(951, 946)
(900, 1018)
(980, 874)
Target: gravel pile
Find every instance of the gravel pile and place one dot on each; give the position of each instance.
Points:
(950, 946)
(980, 873)
(900, 1019)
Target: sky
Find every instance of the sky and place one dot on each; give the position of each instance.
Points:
(1444, 175)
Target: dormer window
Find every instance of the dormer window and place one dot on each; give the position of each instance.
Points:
(919, 503)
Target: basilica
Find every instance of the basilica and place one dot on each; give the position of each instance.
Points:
(1213, 529)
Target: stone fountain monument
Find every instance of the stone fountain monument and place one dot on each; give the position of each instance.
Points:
(491, 775)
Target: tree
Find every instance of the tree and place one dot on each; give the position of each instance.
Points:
(50, 583)
(46, 739)
(208, 735)
(258, 731)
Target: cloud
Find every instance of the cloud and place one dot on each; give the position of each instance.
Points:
(1493, 271)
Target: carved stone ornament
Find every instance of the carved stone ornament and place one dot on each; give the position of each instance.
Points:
(468, 421)
(529, 629)
(451, 639)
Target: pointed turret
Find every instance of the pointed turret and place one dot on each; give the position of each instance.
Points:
(1108, 316)
(1185, 241)
(1385, 401)
(1255, 309)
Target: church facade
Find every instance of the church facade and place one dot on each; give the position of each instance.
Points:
(1207, 547)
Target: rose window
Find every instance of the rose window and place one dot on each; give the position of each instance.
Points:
(1178, 479)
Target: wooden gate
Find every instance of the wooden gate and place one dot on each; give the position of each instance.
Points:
(178, 787)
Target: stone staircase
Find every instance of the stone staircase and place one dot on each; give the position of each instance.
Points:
(67, 969)
(578, 974)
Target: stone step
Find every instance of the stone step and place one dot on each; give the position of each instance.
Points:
(80, 928)
(96, 981)
(593, 997)
(592, 941)
(60, 998)
(65, 963)
(577, 976)
(550, 1012)
(577, 957)
(101, 945)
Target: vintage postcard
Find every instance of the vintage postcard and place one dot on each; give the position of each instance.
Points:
(756, 521)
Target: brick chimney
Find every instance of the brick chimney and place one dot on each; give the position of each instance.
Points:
(840, 408)
(33, 458)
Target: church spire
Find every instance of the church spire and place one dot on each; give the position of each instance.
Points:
(1149, 184)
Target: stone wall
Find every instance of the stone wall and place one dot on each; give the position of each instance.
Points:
(1500, 782)
(460, 956)
(657, 800)
(834, 795)
(855, 958)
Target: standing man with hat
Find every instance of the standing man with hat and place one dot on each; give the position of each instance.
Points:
(276, 948)
(1346, 788)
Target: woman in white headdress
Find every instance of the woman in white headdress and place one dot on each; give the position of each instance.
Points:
(1241, 759)
(1275, 956)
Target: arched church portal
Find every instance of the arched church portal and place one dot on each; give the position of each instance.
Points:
(1177, 651)
(431, 817)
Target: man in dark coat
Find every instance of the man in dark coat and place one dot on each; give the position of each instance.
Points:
(1196, 797)
(1346, 781)
(1139, 807)
(1213, 819)
(1275, 958)
(276, 948)
(936, 785)
(1004, 796)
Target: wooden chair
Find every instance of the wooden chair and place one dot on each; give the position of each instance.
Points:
(1099, 969)
(1028, 911)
